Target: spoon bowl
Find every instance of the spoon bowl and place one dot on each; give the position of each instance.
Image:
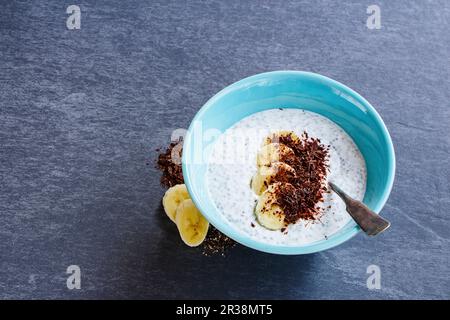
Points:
(290, 89)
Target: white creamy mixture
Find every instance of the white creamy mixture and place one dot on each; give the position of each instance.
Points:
(232, 163)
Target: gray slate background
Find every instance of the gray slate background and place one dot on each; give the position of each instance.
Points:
(82, 112)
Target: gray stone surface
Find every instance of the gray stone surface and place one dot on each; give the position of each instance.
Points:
(82, 112)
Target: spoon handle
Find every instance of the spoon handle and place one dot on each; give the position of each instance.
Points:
(371, 223)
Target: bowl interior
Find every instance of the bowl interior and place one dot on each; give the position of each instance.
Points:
(290, 89)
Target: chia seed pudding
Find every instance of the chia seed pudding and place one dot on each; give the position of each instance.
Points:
(232, 163)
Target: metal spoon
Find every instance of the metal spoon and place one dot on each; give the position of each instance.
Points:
(371, 223)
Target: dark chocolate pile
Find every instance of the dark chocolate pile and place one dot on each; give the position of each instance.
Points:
(171, 168)
(299, 197)
(215, 241)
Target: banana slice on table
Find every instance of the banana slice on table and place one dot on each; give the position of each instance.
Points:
(273, 152)
(276, 172)
(192, 226)
(275, 137)
(172, 199)
(268, 213)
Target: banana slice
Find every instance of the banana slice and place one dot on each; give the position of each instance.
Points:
(269, 214)
(276, 172)
(279, 136)
(172, 199)
(192, 226)
(273, 152)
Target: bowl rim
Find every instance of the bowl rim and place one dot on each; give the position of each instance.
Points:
(342, 235)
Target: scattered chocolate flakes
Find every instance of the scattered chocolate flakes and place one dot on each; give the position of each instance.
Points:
(252, 224)
(172, 174)
(298, 196)
(216, 243)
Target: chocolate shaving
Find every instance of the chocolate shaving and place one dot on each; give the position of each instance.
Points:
(216, 243)
(172, 174)
(299, 196)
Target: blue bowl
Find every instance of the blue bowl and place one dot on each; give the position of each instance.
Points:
(290, 89)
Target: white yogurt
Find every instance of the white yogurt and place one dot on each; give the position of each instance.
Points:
(232, 163)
